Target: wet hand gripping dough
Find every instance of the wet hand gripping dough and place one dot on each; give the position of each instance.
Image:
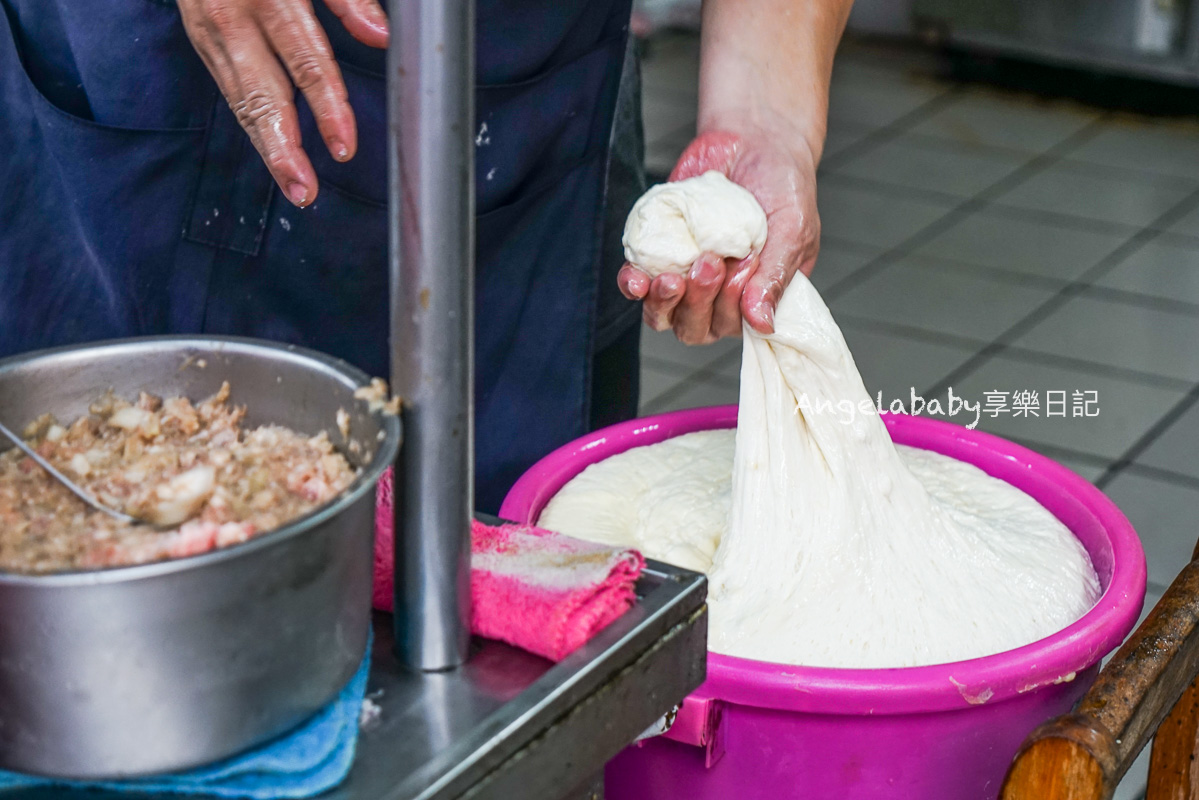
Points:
(825, 543)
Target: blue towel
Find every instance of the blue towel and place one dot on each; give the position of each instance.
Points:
(308, 761)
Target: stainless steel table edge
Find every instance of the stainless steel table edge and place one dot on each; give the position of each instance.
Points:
(562, 760)
(659, 645)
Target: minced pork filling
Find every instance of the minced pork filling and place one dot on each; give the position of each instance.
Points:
(196, 476)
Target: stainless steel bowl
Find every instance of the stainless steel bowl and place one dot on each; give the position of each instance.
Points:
(160, 667)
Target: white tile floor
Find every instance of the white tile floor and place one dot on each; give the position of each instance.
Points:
(989, 240)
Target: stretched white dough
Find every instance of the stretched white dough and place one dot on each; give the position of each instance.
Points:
(826, 544)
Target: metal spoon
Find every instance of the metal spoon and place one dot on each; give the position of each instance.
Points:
(76, 490)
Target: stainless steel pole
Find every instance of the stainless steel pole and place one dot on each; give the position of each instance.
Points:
(430, 88)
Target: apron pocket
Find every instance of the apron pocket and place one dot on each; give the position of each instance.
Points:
(130, 67)
(528, 135)
(94, 214)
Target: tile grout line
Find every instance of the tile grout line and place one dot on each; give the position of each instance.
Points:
(1144, 470)
(683, 372)
(997, 274)
(1057, 219)
(1064, 294)
(1060, 219)
(902, 125)
(909, 331)
(893, 129)
(1161, 474)
(1024, 354)
(696, 377)
(1149, 437)
(1004, 275)
(930, 142)
(1068, 292)
(896, 190)
(1147, 301)
(962, 210)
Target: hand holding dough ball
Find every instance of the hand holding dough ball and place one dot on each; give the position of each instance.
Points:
(698, 253)
(687, 228)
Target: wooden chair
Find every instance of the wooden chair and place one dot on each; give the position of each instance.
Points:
(1149, 687)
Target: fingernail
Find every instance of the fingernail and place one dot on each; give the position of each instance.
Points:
(705, 270)
(339, 149)
(297, 193)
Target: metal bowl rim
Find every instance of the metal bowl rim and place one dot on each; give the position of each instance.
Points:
(384, 456)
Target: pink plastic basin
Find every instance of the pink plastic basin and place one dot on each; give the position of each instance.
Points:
(947, 732)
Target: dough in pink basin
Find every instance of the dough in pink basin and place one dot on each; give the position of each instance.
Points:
(943, 731)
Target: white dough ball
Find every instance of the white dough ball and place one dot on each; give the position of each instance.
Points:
(673, 223)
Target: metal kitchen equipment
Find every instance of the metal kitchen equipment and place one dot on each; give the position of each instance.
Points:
(431, 213)
(510, 725)
(169, 665)
(1156, 39)
(504, 723)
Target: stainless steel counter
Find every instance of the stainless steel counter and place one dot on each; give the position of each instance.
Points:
(1156, 39)
(511, 726)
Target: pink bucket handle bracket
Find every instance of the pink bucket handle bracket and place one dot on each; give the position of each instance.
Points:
(698, 724)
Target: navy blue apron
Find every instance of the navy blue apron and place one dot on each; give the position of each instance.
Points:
(131, 203)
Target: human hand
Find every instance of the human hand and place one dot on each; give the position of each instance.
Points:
(259, 52)
(711, 300)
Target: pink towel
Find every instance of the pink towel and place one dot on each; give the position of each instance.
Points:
(535, 589)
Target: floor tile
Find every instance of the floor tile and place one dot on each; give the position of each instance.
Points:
(912, 162)
(664, 116)
(1138, 143)
(662, 154)
(1087, 468)
(1177, 449)
(842, 135)
(837, 261)
(1121, 335)
(960, 303)
(665, 351)
(855, 66)
(655, 381)
(1018, 122)
(1126, 409)
(727, 368)
(1073, 189)
(1187, 224)
(1167, 268)
(876, 94)
(863, 217)
(896, 365)
(708, 392)
(992, 238)
(671, 63)
(1163, 515)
